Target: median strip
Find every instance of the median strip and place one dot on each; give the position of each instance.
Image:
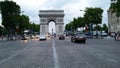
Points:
(56, 61)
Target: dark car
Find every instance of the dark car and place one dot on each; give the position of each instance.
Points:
(61, 37)
(79, 37)
(24, 37)
(88, 35)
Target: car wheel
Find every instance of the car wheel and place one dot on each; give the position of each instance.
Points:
(74, 41)
(71, 40)
(84, 41)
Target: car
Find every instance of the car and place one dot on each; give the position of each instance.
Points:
(48, 36)
(88, 35)
(32, 36)
(61, 37)
(37, 37)
(42, 37)
(79, 37)
(104, 34)
(25, 37)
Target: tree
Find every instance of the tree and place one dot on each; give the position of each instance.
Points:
(68, 27)
(36, 27)
(24, 23)
(76, 23)
(93, 15)
(105, 28)
(10, 12)
(1, 28)
(98, 27)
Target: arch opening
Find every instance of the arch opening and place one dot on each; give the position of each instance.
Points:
(52, 28)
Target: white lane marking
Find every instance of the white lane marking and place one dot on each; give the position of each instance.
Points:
(56, 61)
(10, 57)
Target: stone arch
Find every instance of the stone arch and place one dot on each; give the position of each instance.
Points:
(52, 26)
(51, 20)
(51, 15)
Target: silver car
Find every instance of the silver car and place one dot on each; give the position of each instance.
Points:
(42, 37)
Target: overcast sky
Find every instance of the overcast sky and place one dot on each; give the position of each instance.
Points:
(71, 7)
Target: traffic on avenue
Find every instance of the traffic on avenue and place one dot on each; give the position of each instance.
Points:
(60, 53)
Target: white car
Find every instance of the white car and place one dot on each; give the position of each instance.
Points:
(42, 37)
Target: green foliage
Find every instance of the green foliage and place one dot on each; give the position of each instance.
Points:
(105, 28)
(24, 22)
(93, 15)
(98, 27)
(68, 27)
(36, 27)
(101, 28)
(76, 23)
(10, 14)
(1, 30)
(116, 8)
(79, 22)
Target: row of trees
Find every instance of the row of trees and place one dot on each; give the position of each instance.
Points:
(73, 25)
(91, 16)
(12, 20)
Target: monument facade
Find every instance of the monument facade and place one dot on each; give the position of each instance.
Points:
(46, 16)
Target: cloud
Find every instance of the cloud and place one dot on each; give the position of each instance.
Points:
(31, 8)
(71, 8)
(30, 3)
(102, 4)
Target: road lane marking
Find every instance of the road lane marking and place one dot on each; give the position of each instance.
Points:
(56, 61)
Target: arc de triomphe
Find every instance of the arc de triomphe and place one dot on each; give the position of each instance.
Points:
(47, 16)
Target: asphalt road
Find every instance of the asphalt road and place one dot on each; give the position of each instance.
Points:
(54, 53)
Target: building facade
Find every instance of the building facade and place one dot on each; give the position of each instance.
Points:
(51, 15)
(113, 20)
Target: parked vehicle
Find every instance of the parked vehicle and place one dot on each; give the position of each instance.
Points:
(104, 34)
(79, 37)
(61, 37)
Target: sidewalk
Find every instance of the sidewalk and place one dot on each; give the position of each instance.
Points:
(108, 37)
(5, 39)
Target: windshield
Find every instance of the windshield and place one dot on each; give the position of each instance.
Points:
(80, 34)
